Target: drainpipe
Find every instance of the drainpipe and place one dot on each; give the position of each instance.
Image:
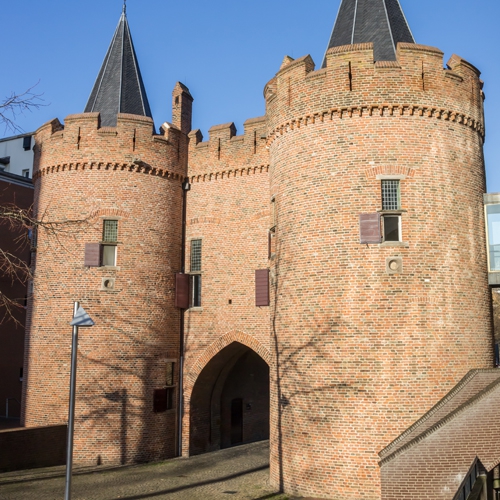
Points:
(185, 188)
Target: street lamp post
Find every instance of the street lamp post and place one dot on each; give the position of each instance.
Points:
(80, 319)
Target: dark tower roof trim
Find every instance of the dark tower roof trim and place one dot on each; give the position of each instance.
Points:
(119, 87)
(379, 21)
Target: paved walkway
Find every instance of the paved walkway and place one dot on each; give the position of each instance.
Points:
(235, 473)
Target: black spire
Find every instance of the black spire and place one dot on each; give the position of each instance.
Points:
(379, 21)
(119, 87)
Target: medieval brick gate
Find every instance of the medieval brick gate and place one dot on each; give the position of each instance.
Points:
(229, 402)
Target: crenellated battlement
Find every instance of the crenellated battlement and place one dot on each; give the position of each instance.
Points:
(225, 150)
(352, 84)
(133, 143)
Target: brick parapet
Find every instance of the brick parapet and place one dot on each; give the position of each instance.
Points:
(131, 145)
(225, 151)
(353, 85)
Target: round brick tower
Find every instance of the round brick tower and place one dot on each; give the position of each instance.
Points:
(108, 192)
(379, 273)
(117, 195)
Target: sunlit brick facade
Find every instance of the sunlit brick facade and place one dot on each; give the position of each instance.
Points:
(378, 293)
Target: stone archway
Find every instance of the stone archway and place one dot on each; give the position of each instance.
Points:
(229, 402)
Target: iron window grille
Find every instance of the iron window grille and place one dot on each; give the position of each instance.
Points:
(195, 291)
(391, 195)
(110, 231)
(195, 256)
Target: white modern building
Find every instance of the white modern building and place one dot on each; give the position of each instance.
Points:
(16, 154)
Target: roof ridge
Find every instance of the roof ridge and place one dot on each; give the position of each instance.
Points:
(450, 395)
(440, 423)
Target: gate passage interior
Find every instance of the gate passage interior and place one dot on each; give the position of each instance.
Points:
(230, 401)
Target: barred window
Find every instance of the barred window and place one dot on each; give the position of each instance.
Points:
(390, 195)
(110, 231)
(195, 256)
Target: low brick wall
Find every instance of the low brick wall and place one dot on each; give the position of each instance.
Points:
(32, 447)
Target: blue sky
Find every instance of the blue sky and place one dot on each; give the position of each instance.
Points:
(225, 51)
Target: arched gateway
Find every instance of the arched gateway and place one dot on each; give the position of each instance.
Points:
(229, 402)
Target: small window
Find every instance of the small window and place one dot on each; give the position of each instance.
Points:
(108, 255)
(392, 227)
(169, 373)
(110, 231)
(163, 399)
(32, 235)
(26, 173)
(273, 214)
(196, 290)
(27, 142)
(195, 256)
(391, 205)
(195, 285)
(390, 195)
(109, 243)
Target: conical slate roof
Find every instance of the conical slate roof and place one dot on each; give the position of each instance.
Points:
(119, 87)
(379, 21)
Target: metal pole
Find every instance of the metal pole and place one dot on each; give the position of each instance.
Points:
(71, 415)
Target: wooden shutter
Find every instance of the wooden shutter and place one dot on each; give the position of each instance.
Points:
(92, 254)
(182, 290)
(160, 400)
(262, 287)
(369, 228)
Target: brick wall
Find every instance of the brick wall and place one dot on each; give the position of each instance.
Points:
(361, 353)
(228, 209)
(31, 448)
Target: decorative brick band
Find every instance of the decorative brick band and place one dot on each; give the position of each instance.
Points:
(229, 173)
(109, 212)
(221, 343)
(129, 167)
(421, 300)
(372, 172)
(378, 110)
(204, 220)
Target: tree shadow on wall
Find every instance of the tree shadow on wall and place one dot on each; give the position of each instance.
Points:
(116, 400)
(122, 359)
(296, 359)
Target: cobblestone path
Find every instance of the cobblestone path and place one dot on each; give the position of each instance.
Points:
(235, 473)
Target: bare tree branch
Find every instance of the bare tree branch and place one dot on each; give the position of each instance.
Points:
(17, 104)
(25, 229)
